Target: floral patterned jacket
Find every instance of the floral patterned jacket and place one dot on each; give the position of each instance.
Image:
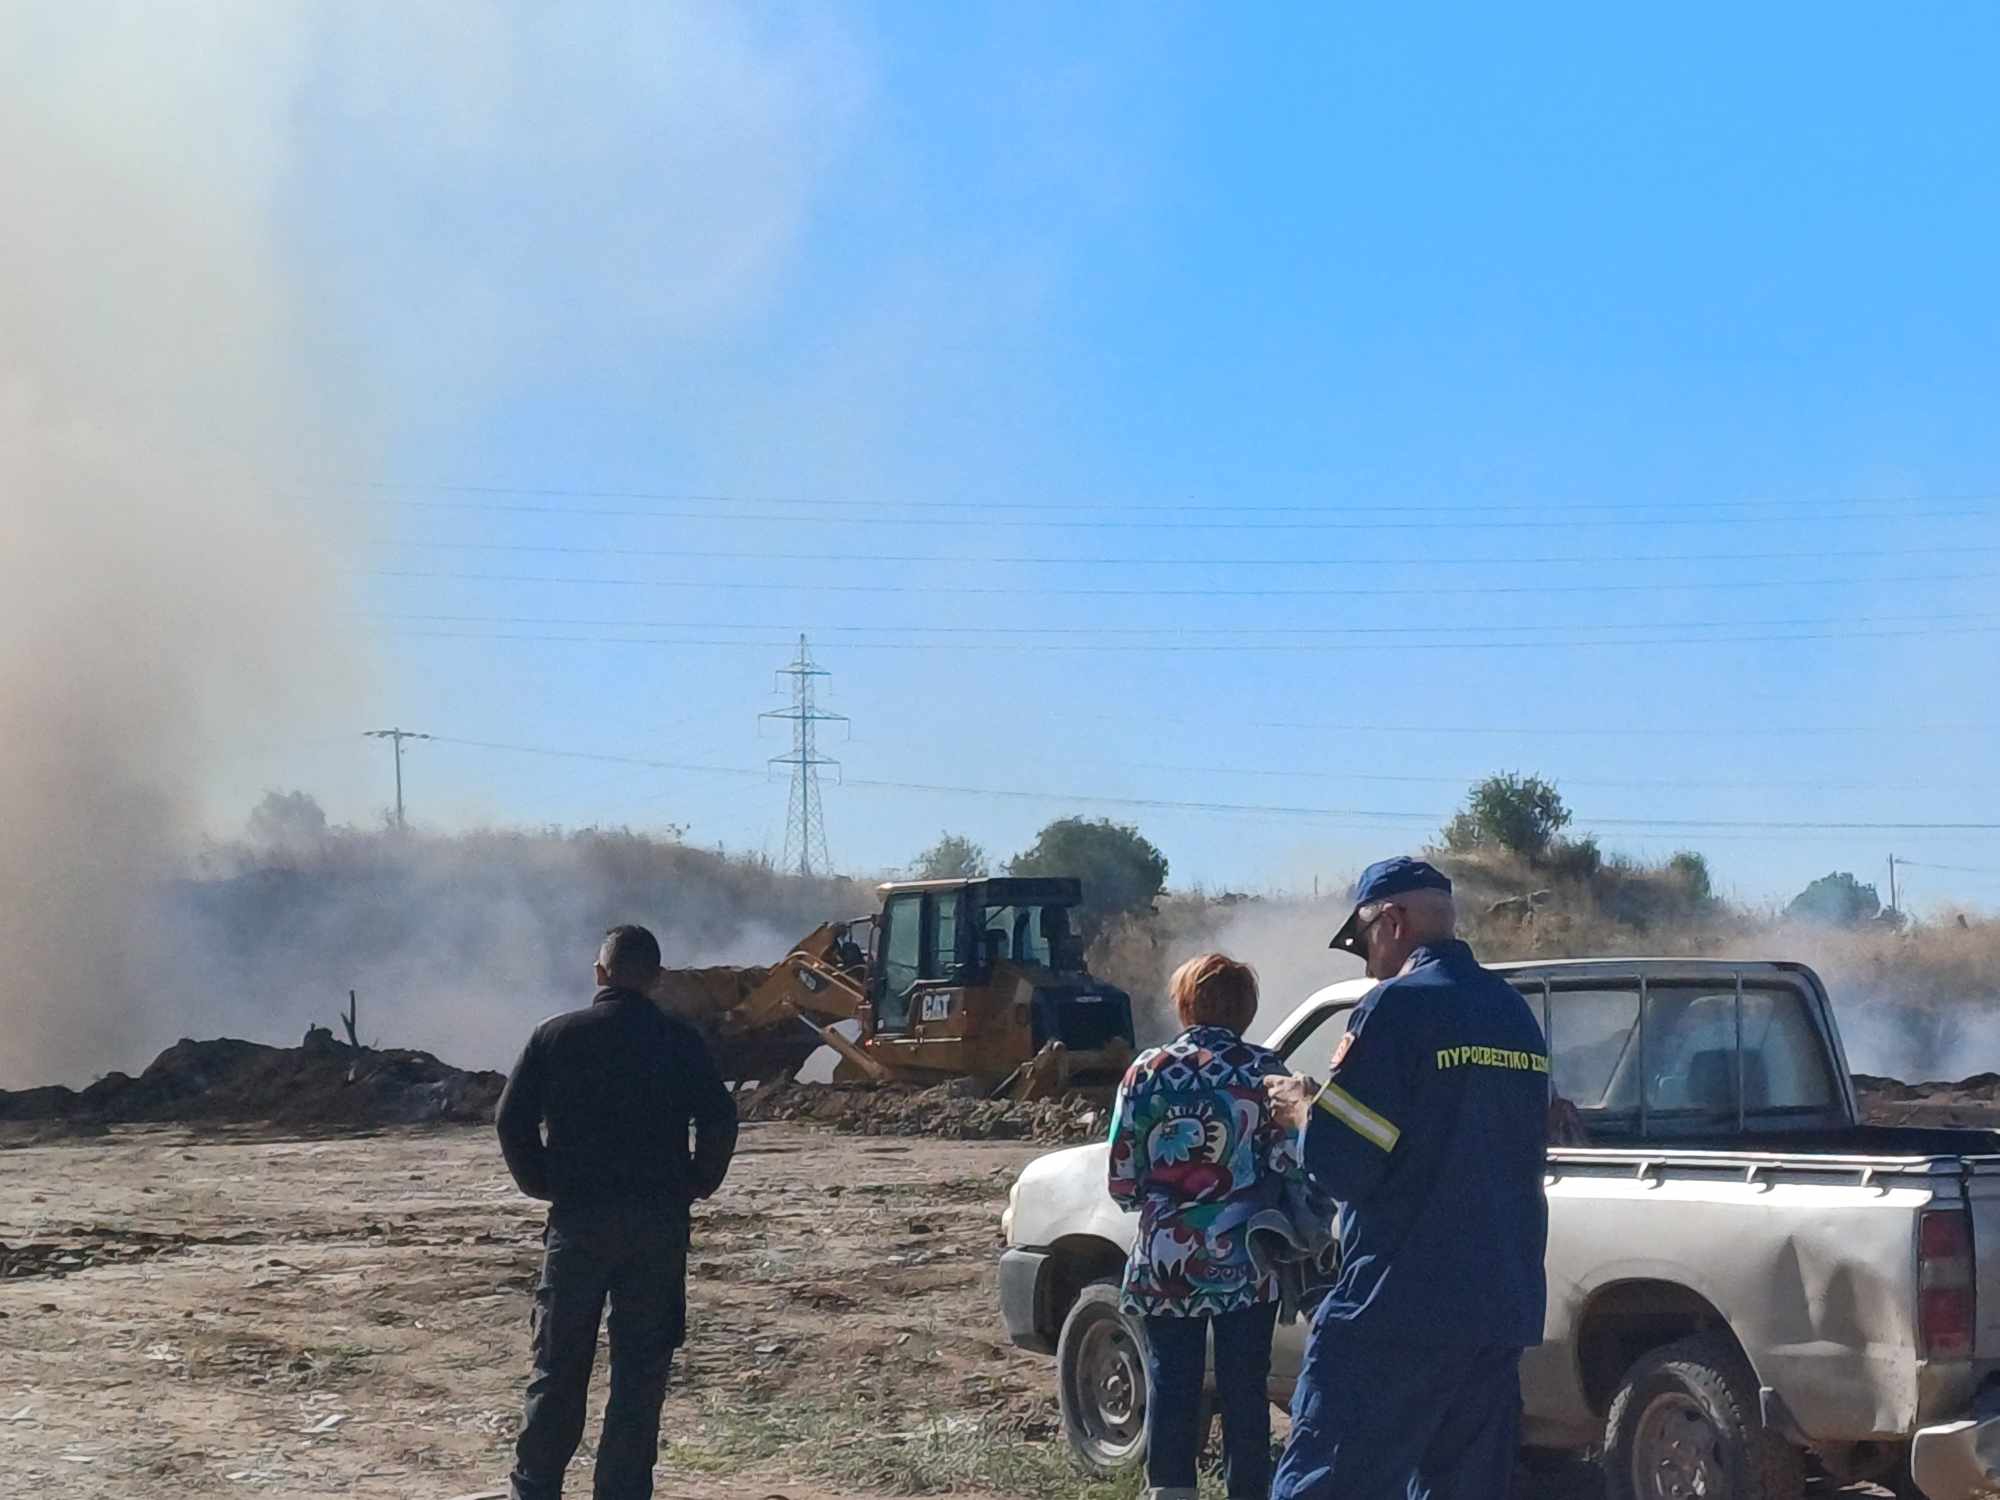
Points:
(1194, 1149)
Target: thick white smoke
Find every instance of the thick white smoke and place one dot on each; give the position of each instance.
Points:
(162, 598)
(197, 339)
(1921, 1005)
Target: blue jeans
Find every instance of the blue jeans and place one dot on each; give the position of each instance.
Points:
(1176, 1359)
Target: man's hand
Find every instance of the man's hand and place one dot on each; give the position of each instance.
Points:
(1291, 1099)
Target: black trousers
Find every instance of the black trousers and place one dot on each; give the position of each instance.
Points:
(635, 1257)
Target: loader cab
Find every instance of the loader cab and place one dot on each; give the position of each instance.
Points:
(1038, 933)
(941, 931)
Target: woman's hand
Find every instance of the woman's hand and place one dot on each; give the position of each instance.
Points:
(1290, 1098)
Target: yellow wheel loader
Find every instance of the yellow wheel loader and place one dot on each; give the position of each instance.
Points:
(980, 979)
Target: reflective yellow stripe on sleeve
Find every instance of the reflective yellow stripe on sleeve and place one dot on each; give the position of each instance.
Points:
(1358, 1117)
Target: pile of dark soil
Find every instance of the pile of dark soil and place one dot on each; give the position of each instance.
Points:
(1972, 1103)
(950, 1111)
(323, 1083)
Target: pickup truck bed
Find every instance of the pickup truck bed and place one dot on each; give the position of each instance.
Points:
(1902, 1142)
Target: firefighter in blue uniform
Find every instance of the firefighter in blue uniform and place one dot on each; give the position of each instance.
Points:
(1430, 1134)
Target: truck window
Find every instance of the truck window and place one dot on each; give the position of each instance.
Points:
(1691, 1051)
(1590, 1032)
(1311, 1049)
(1688, 1063)
(902, 961)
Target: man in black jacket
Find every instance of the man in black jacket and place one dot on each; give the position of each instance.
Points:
(618, 1086)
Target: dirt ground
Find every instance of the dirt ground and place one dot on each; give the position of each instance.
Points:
(228, 1312)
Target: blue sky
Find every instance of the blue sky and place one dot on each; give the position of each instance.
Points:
(1356, 404)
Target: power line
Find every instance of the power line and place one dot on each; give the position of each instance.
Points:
(1151, 507)
(1194, 805)
(1639, 784)
(1234, 649)
(1065, 523)
(691, 767)
(1179, 631)
(1704, 731)
(1092, 592)
(1683, 824)
(1924, 864)
(1003, 560)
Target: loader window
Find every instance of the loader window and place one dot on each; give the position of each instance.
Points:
(902, 961)
(944, 936)
(1036, 935)
(1021, 927)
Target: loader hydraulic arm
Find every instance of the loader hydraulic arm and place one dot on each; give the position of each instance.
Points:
(818, 981)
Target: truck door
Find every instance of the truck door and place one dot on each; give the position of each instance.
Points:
(1309, 1050)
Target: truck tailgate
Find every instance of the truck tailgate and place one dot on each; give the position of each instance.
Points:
(1982, 1190)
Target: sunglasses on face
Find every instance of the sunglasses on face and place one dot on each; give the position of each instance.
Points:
(1361, 932)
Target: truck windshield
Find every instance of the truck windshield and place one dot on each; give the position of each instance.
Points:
(1689, 1064)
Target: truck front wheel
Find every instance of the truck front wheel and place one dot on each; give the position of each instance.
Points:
(1685, 1423)
(1101, 1375)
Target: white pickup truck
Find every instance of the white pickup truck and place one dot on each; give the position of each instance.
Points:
(1744, 1279)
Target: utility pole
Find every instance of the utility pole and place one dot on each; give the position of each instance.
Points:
(805, 818)
(396, 737)
(1892, 885)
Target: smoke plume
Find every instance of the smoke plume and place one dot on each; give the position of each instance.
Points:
(213, 290)
(459, 944)
(163, 600)
(1916, 1005)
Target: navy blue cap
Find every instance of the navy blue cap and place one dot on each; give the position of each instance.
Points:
(1384, 881)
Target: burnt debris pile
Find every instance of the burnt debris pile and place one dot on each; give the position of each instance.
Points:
(1972, 1103)
(951, 1111)
(325, 1082)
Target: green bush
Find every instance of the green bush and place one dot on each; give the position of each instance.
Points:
(1691, 871)
(1836, 900)
(952, 857)
(1521, 814)
(1121, 872)
(1574, 859)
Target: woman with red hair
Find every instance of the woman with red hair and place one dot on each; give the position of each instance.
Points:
(1191, 1142)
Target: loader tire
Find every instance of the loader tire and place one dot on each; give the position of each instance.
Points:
(1685, 1422)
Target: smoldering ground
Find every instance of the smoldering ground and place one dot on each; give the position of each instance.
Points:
(459, 943)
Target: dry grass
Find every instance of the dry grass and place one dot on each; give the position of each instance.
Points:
(860, 1446)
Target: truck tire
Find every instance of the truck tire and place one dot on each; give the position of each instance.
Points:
(1101, 1381)
(1685, 1422)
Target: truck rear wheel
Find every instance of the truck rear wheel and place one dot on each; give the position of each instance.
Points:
(1685, 1424)
(1101, 1381)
